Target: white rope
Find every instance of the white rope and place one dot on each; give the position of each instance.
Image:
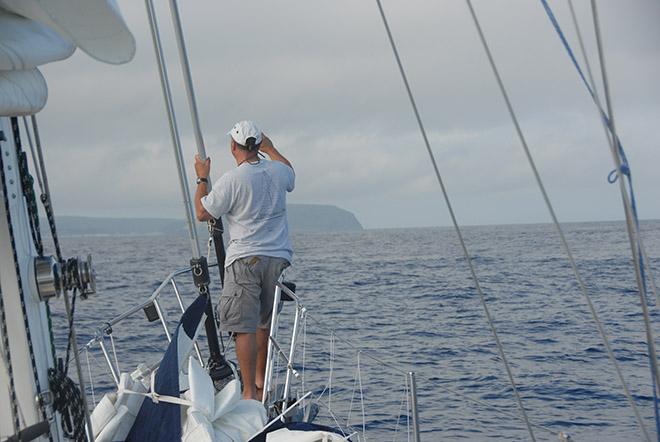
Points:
(114, 352)
(304, 348)
(98, 364)
(91, 379)
(555, 221)
(401, 404)
(457, 228)
(156, 398)
(350, 409)
(334, 418)
(328, 384)
(321, 325)
(364, 419)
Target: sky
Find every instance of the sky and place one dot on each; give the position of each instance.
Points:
(320, 79)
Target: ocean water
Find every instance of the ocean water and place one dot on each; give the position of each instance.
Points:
(381, 303)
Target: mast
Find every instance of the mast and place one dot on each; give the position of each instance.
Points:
(24, 334)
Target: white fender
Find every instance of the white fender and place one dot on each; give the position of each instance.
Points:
(103, 413)
(112, 429)
(131, 401)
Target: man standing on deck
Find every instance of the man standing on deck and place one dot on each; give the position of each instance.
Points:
(252, 200)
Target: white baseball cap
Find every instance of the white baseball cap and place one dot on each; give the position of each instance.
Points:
(244, 130)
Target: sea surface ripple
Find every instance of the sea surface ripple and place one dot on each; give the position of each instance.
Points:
(399, 300)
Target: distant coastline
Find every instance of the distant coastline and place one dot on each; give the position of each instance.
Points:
(302, 218)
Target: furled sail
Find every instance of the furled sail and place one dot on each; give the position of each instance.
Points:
(36, 32)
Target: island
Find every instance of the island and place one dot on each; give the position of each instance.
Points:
(302, 218)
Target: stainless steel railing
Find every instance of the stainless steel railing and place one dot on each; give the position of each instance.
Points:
(275, 351)
(107, 329)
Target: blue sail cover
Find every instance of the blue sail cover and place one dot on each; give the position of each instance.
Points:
(161, 422)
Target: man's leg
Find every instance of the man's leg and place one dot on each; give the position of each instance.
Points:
(238, 312)
(262, 350)
(246, 352)
(271, 271)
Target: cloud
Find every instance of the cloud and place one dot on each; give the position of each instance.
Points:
(320, 78)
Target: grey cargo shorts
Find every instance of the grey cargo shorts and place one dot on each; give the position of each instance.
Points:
(247, 297)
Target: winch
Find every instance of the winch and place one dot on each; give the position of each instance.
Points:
(52, 277)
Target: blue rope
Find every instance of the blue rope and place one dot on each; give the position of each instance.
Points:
(612, 177)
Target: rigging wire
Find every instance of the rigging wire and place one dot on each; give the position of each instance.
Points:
(34, 156)
(319, 324)
(328, 387)
(174, 128)
(644, 256)
(555, 221)
(630, 207)
(63, 382)
(493, 407)
(632, 220)
(467, 255)
(91, 379)
(398, 418)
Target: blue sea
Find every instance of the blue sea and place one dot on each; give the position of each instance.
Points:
(385, 302)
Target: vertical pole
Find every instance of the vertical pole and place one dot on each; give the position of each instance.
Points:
(268, 376)
(178, 298)
(215, 226)
(106, 355)
(187, 78)
(413, 406)
(174, 131)
(159, 310)
(292, 352)
(211, 331)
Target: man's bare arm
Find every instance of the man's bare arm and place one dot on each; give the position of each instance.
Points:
(268, 148)
(202, 168)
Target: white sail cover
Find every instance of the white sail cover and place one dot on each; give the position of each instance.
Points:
(22, 92)
(209, 416)
(26, 44)
(35, 32)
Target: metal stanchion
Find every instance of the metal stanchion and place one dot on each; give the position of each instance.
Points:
(413, 406)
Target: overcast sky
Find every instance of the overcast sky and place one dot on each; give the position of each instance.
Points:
(320, 79)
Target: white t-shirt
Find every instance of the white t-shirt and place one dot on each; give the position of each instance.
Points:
(252, 201)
